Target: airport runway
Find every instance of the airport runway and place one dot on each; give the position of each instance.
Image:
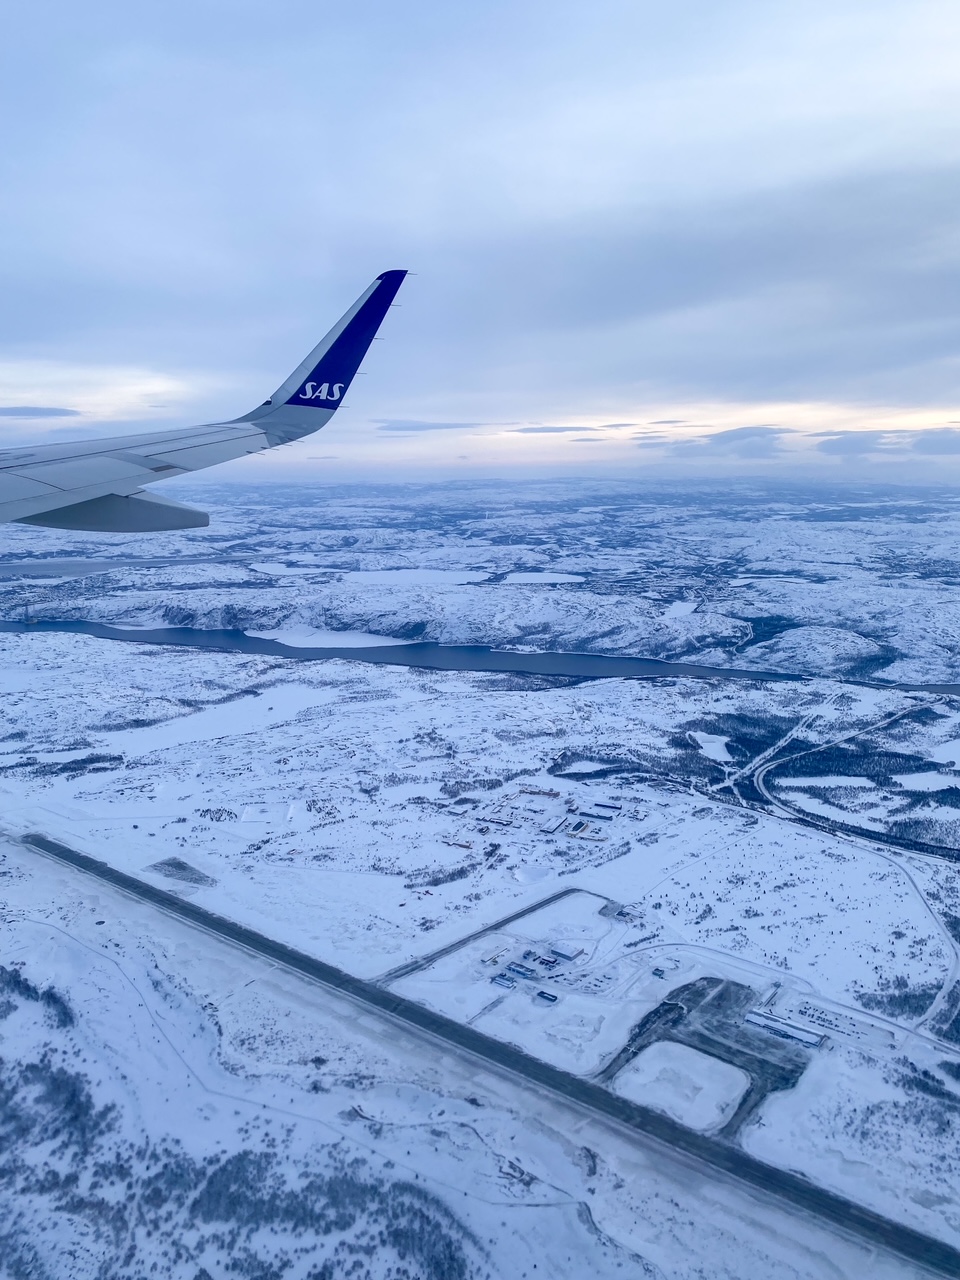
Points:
(796, 1191)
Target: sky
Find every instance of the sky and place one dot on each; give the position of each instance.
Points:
(715, 237)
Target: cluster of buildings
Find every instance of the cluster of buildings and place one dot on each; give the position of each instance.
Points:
(582, 823)
(524, 970)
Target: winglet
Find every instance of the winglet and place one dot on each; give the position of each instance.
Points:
(307, 399)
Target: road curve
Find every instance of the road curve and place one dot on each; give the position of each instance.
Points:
(793, 1189)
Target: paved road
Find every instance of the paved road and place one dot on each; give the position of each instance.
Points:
(424, 962)
(720, 1156)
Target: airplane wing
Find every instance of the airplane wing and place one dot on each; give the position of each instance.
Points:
(96, 484)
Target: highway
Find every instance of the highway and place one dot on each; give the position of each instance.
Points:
(794, 1190)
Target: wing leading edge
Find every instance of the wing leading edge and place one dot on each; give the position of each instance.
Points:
(96, 484)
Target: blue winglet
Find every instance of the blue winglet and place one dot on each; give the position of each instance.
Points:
(325, 385)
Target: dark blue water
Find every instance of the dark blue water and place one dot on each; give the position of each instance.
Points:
(440, 657)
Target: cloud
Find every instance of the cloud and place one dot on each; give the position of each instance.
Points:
(544, 431)
(803, 447)
(734, 435)
(416, 424)
(939, 440)
(796, 293)
(595, 236)
(739, 442)
(36, 411)
(38, 388)
(851, 444)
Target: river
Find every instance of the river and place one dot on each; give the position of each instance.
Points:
(439, 657)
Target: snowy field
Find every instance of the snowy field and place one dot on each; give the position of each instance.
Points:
(173, 1105)
(848, 582)
(716, 835)
(551, 1007)
(689, 1086)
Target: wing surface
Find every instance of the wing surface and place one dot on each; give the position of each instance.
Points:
(97, 484)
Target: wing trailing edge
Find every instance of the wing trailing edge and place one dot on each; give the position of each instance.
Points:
(138, 512)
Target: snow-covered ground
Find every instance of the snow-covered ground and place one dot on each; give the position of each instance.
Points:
(374, 812)
(821, 582)
(548, 1006)
(173, 1104)
(303, 637)
(371, 815)
(691, 1087)
(858, 1121)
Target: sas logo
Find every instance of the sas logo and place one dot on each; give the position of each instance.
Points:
(321, 391)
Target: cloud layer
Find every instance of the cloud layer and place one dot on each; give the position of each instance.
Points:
(624, 214)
